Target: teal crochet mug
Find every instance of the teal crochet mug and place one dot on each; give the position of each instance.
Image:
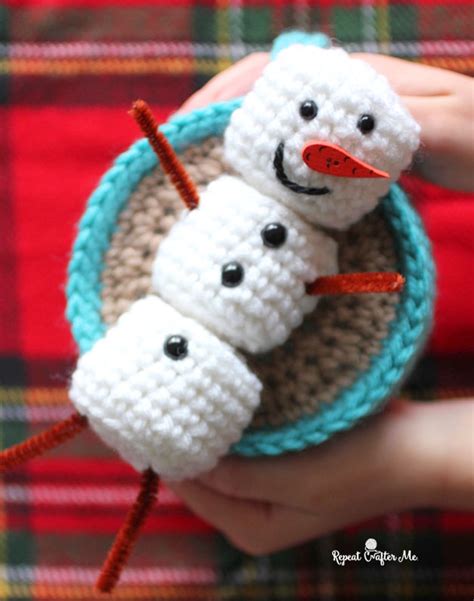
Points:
(369, 387)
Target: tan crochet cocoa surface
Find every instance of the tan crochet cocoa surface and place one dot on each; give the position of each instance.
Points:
(324, 355)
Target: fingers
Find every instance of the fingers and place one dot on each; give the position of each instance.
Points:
(355, 461)
(415, 454)
(254, 527)
(414, 79)
(446, 154)
(259, 527)
(447, 447)
(353, 479)
(407, 78)
(441, 102)
(235, 518)
(427, 92)
(231, 83)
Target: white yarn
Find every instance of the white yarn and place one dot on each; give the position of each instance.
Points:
(343, 89)
(175, 416)
(261, 312)
(179, 416)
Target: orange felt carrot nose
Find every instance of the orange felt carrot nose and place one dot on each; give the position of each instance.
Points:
(333, 160)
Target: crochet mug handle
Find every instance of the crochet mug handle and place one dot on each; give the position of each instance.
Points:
(288, 38)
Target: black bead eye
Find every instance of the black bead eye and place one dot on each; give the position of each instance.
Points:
(232, 274)
(176, 347)
(274, 235)
(308, 109)
(366, 123)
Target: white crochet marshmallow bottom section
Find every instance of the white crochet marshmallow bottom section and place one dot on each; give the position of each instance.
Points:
(177, 416)
(261, 311)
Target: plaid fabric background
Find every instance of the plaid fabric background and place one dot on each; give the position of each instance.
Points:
(68, 72)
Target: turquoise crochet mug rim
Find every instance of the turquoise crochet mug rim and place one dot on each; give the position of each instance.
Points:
(371, 387)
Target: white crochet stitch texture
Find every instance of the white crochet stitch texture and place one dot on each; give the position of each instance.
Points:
(175, 416)
(343, 89)
(261, 312)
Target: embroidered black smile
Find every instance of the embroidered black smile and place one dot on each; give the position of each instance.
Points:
(283, 178)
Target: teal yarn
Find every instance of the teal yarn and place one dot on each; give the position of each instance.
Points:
(371, 388)
(406, 337)
(98, 223)
(288, 38)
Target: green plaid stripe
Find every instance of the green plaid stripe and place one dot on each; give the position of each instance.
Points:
(246, 22)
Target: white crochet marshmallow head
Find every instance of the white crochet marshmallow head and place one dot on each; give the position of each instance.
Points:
(313, 115)
(164, 392)
(239, 264)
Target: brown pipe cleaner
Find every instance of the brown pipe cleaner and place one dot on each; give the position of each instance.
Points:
(37, 445)
(170, 163)
(357, 283)
(128, 533)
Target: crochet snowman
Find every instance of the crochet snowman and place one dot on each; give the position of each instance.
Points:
(323, 134)
(316, 142)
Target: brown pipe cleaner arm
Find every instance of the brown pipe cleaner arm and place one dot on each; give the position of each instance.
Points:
(357, 283)
(39, 444)
(128, 533)
(170, 163)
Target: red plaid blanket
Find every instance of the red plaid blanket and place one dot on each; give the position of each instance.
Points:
(69, 70)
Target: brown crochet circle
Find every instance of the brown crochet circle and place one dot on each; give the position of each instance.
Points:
(333, 345)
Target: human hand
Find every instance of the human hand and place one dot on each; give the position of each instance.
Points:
(412, 455)
(441, 101)
(233, 82)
